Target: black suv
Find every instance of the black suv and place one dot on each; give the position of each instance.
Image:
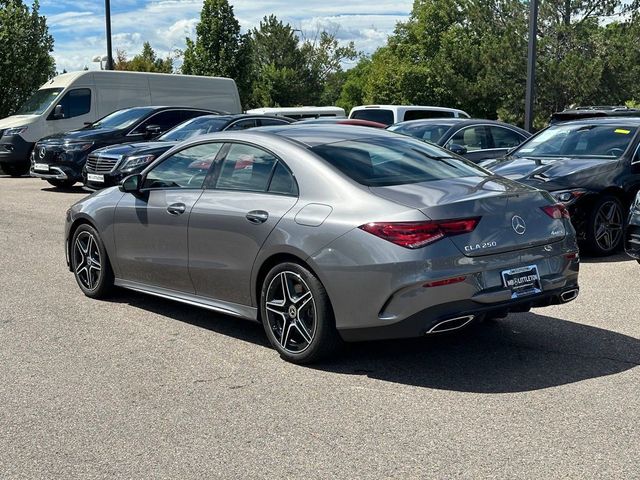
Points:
(59, 159)
(591, 166)
(582, 113)
(108, 166)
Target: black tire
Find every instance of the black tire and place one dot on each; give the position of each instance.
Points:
(62, 183)
(86, 244)
(15, 170)
(605, 226)
(295, 315)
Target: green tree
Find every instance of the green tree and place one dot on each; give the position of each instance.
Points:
(353, 87)
(25, 53)
(219, 48)
(146, 61)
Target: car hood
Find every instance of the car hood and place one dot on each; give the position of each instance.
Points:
(84, 134)
(17, 121)
(138, 148)
(542, 170)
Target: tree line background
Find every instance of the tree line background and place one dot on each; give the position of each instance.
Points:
(468, 54)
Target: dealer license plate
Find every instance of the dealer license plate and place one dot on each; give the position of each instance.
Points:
(522, 281)
(41, 167)
(92, 177)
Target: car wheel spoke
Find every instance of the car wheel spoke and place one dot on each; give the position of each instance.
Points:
(303, 331)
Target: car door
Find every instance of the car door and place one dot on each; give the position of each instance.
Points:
(474, 139)
(75, 109)
(503, 139)
(151, 226)
(250, 192)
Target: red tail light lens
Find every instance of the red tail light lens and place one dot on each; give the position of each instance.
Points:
(556, 211)
(419, 234)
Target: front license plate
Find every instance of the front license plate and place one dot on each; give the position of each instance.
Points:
(522, 281)
(41, 167)
(92, 177)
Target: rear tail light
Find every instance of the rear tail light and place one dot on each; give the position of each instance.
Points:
(556, 211)
(447, 281)
(419, 234)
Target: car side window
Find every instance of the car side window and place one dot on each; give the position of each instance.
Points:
(242, 124)
(165, 120)
(264, 122)
(76, 102)
(246, 168)
(187, 168)
(282, 181)
(505, 137)
(471, 138)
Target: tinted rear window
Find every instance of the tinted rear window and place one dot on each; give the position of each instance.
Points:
(384, 161)
(420, 114)
(379, 115)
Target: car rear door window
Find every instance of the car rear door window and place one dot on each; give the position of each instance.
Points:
(265, 122)
(282, 181)
(246, 168)
(242, 124)
(187, 168)
(505, 137)
(471, 138)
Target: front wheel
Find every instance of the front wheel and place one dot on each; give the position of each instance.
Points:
(297, 315)
(605, 224)
(61, 183)
(90, 263)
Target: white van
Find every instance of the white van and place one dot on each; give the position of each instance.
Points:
(390, 114)
(299, 113)
(70, 100)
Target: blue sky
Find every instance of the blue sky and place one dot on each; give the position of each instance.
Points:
(78, 25)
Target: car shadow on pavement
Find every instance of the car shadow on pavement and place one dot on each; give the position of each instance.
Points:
(618, 257)
(523, 352)
(76, 189)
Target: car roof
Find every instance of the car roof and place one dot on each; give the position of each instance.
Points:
(240, 116)
(313, 135)
(629, 121)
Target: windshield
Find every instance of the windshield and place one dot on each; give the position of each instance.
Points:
(429, 132)
(39, 101)
(379, 115)
(194, 127)
(384, 161)
(121, 118)
(578, 141)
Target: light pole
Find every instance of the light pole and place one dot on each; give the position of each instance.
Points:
(531, 65)
(107, 8)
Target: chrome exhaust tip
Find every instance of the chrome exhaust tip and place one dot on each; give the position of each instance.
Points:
(569, 295)
(450, 324)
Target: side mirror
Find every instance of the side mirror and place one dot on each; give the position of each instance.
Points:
(457, 149)
(131, 184)
(57, 112)
(152, 131)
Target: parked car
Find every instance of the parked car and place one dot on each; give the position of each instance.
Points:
(59, 159)
(390, 114)
(475, 140)
(343, 121)
(70, 101)
(592, 166)
(107, 166)
(581, 113)
(632, 243)
(300, 113)
(255, 224)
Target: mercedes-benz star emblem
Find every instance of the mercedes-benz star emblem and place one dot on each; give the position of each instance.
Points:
(518, 224)
(42, 152)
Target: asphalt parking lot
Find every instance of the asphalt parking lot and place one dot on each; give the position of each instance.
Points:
(139, 387)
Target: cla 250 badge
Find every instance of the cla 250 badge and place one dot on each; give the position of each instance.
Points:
(480, 246)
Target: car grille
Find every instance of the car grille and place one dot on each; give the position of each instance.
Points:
(101, 164)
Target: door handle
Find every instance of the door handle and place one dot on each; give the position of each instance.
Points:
(176, 208)
(257, 216)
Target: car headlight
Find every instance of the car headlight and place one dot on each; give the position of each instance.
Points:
(568, 196)
(77, 146)
(15, 131)
(136, 161)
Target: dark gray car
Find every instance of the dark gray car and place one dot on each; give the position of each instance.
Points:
(326, 233)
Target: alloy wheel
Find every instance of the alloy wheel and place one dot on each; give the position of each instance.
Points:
(291, 312)
(608, 226)
(87, 261)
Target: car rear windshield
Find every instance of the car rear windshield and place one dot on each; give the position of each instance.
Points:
(429, 132)
(122, 118)
(193, 128)
(380, 115)
(39, 101)
(385, 161)
(580, 140)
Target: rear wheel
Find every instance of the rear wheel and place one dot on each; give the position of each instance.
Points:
(297, 315)
(15, 170)
(605, 224)
(62, 183)
(90, 263)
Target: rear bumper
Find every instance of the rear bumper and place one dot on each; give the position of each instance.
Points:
(14, 150)
(424, 323)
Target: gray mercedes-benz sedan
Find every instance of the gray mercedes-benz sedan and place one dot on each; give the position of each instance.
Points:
(326, 233)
